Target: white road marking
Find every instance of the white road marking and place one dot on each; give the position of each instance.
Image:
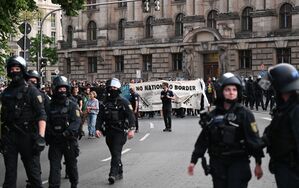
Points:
(107, 159)
(151, 125)
(124, 151)
(145, 136)
(269, 119)
(44, 182)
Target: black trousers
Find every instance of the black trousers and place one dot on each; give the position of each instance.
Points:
(271, 101)
(259, 101)
(15, 143)
(167, 117)
(115, 141)
(136, 120)
(233, 173)
(70, 151)
(285, 176)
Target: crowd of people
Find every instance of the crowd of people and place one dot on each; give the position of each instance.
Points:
(33, 116)
(253, 95)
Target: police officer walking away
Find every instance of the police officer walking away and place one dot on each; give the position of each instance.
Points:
(115, 121)
(230, 135)
(166, 97)
(282, 135)
(62, 132)
(23, 125)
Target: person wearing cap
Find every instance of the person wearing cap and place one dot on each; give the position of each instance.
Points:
(23, 125)
(115, 121)
(230, 136)
(62, 133)
(282, 135)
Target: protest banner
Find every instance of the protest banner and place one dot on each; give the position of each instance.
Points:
(188, 94)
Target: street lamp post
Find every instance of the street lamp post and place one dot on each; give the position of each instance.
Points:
(41, 39)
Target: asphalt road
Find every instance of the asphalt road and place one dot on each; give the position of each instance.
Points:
(152, 159)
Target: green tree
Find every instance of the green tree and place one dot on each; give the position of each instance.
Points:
(11, 16)
(48, 51)
(70, 6)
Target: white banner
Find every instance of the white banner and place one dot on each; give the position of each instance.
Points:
(187, 94)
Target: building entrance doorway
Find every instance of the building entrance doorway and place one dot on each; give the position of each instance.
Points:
(211, 67)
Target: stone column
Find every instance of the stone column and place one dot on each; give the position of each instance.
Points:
(130, 11)
(138, 9)
(222, 6)
(259, 5)
(167, 8)
(189, 7)
(199, 9)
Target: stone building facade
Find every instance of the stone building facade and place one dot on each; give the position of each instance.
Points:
(51, 28)
(186, 39)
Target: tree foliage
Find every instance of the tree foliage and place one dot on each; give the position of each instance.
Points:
(70, 6)
(12, 15)
(48, 51)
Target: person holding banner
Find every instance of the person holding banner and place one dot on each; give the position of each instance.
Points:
(166, 97)
(231, 136)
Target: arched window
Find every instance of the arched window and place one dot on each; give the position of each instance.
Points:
(91, 31)
(285, 16)
(212, 19)
(247, 19)
(179, 26)
(121, 29)
(69, 37)
(149, 27)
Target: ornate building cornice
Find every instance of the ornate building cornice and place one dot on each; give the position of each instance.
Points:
(264, 13)
(192, 19)
(228, 16)
(296, 10)
(163, 21)
(133, 24)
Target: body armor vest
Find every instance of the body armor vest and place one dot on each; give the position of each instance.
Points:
(19, 112)
(114, 114)
(281, 137)
(59, 118)
(226, 136)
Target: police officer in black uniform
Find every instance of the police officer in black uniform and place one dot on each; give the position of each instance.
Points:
(23, 125)
(134, 100)
(282, 135)
(166, 96)
(34, 78)
(231, 136)
(116, 121)
(259, 94)
(62, 132)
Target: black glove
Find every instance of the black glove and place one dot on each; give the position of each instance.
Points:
(81, 134)
(39, 144)
(68, 134)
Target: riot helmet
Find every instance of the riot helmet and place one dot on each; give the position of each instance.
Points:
(228, 79)
(33, 74)
(114, 82)
(113, 87)
(58, 82)
(16, 61)
(284, 77)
